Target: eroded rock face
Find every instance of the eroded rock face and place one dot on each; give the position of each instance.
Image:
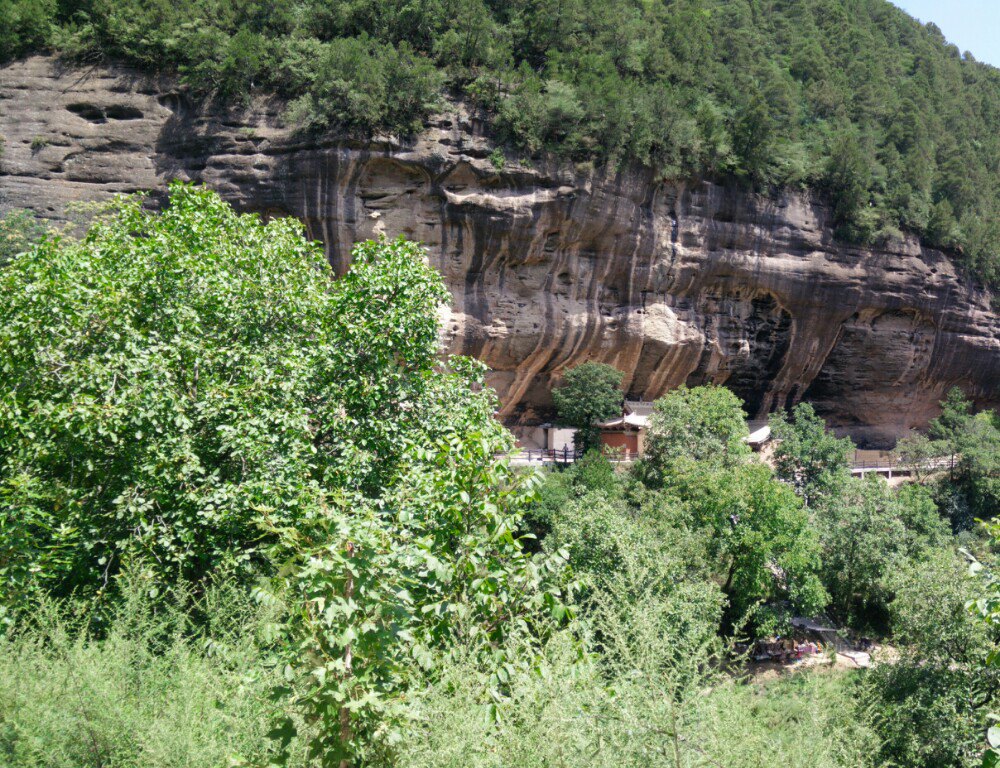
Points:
(671, 282)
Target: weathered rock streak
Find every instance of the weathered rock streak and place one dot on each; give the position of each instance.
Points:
(548, 265)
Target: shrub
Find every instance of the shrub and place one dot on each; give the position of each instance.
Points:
(567, 709)
(152, 691)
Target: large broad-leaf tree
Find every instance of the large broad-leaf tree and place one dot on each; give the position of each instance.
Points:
(931, 705)
(701, 424)
(588, 394)
(189, 393)
(758, 535)
(175, 378)
(869, 531)
(808, 457)
(973, 440)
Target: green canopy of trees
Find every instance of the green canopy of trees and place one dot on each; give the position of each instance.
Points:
(809, 458)
(702, 424)
(973, 441)
(852, 98)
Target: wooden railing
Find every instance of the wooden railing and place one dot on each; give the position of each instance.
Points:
(863, 462)
(887, 463)
(562, 456)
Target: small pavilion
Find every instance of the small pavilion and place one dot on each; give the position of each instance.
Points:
(626, 433)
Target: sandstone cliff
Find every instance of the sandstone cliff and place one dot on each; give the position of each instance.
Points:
(548, 265)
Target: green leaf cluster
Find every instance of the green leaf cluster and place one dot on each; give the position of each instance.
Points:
(807, 457)
(869, 533)
(19, 230)
(588, 394)
(704, 425)
(930, 706)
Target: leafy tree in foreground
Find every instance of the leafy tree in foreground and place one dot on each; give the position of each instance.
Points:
(191, 394)
(165, 373)
(868, 532)
(808, 457)
(929, 706)
(589, 394)
(178, 378)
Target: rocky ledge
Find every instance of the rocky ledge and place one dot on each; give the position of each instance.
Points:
(548, 264)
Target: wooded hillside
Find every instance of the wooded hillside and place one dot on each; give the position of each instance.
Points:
(852, 98)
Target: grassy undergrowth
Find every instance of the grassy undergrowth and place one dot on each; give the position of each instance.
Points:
(140, 688)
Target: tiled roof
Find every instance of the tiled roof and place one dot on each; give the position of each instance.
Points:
(628, 420)
(639, 407)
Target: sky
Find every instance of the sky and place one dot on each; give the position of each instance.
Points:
(972, 25)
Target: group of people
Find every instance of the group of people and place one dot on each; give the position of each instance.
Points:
(784, 649)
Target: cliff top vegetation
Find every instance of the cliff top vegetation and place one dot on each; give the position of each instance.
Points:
(851, 98)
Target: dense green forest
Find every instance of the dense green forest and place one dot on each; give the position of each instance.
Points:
(248, 517)
(851, 98)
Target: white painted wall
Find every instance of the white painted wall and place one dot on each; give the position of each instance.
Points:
(560, 438)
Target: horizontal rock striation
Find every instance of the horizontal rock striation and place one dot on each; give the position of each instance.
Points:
(549, 265)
